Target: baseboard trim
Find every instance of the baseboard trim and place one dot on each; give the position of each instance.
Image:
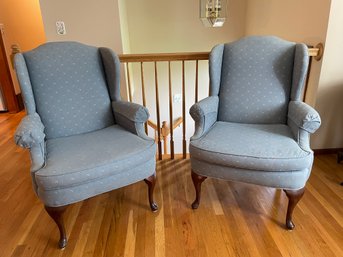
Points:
(327, 151)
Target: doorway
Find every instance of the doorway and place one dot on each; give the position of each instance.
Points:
(8, 98)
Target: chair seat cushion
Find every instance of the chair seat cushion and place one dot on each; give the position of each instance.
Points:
(268, 147)
(83, 158)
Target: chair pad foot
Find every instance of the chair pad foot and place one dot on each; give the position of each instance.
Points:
(154, 207)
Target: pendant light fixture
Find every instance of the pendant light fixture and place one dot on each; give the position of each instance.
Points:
(213, 12)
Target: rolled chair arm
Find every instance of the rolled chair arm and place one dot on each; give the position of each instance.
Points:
(131, 116)
(30, 132)
(204, 113)
(303, 121)
(303, 116)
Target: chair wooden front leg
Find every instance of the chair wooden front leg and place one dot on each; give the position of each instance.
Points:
(197, 180)
(151, 181)
(294, 197)
(56, 213)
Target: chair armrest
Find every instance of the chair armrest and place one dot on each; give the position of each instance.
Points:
(303, 116)
(131, 116)
(204, 113)
(30, 134)
(303, 120)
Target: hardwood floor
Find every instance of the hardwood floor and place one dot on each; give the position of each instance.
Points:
(233, 219)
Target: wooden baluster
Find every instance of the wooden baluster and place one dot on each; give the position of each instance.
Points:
(171, 115)
(196, 80)
(164, 132)
(158, 116)
(143, 95)
(128, 81)
(184, 143)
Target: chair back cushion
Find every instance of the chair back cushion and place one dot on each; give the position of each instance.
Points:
(256, 80)
(69, 88)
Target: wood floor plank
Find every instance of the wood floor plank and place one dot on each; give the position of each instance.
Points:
(233, 219)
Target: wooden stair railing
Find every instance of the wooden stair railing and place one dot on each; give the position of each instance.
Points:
(166, 130)
(168, 57)
(161, 133)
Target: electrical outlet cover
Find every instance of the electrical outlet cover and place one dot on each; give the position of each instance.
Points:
(60, 28)
(177, 98)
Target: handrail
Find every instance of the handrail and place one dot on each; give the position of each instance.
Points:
(164, 57)
(316, 51)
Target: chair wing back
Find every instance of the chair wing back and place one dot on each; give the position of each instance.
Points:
(258, 75)
(66, 84)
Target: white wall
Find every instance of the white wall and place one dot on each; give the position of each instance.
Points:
(330, 92)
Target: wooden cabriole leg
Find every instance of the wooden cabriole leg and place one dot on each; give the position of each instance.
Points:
(56, 213)
(294, 197)
(151, 181)
(197, 180)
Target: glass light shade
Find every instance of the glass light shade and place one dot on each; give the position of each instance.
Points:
(213, 12)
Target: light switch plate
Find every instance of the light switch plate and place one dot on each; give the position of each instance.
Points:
(60, 28)
(177, 98)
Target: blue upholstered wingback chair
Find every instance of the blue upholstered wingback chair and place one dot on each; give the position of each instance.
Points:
(82, 138)
(254, 127)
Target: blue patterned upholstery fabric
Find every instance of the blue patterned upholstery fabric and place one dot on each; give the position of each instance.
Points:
(105, 153)
(258, 129)
(78, 192)
(70, 89)
(30, 135)
(131, 116)
(301, 62)
(269, 147)
(276, 179)
(255, 84)
(25, 83)
(205, 114)
(82, 138)
(30, 132)
(111, 65)
(304, 116)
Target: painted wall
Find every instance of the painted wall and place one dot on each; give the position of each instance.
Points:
(87, 21)
(174, 26)
(330, 92)
(23, 25)
(124, 27)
